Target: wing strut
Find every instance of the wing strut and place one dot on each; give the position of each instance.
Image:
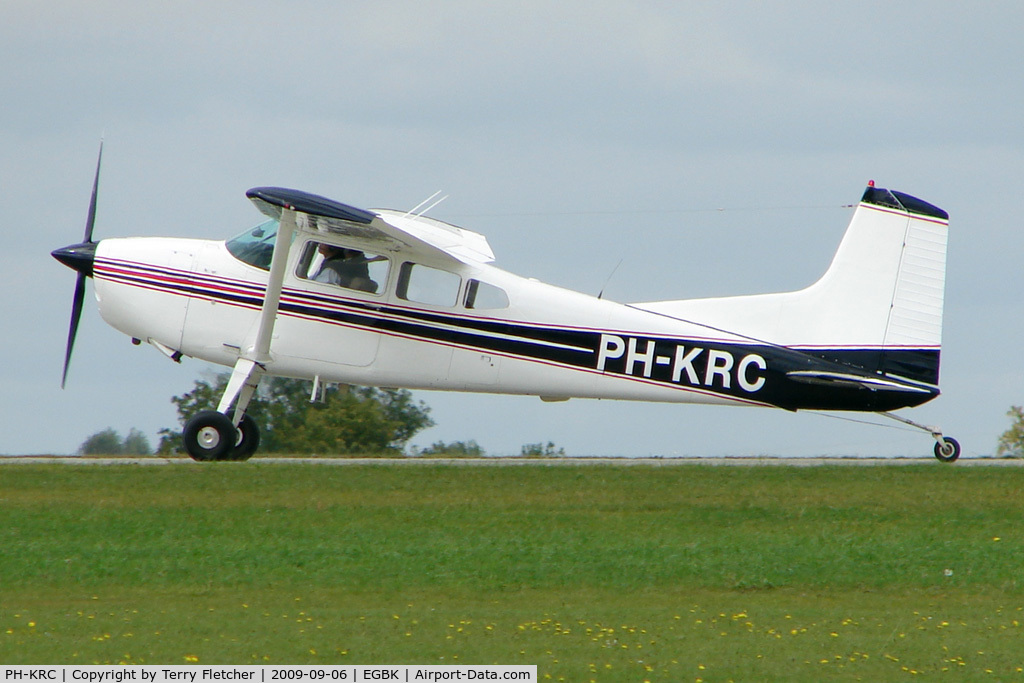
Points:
(251, 364)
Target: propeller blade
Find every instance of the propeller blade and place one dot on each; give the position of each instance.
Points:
(76, 314)
(80, 257)
(92, 202)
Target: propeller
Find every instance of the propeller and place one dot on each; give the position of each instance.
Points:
(80, 257)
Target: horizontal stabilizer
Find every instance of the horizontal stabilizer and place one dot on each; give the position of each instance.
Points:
(840, 379)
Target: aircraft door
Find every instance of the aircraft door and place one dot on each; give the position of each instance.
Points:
(330, 310)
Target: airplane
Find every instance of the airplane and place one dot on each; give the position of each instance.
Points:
(325, 291)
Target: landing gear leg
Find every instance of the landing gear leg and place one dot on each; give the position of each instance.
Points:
(241, 433)
(947, 449)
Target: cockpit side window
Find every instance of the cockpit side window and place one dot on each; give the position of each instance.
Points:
(344, 267)
(256, 245)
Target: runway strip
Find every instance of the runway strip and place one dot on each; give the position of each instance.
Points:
(523, 462)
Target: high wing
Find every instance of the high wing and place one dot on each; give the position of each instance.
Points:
(302, 211)
(391, 230)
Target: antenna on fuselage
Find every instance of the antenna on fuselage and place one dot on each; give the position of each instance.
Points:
(601, 293)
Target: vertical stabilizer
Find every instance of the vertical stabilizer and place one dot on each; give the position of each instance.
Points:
(878, 306)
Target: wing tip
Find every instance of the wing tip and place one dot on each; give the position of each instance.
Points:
(312, 204)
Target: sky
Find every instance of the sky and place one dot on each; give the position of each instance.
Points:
(713, 148)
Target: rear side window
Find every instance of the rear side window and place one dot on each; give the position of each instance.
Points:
(426, 285)
(480, 295)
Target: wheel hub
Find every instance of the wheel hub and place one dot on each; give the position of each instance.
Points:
(208, 438)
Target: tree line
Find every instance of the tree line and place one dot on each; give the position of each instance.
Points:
(350, 420)
(353, 420)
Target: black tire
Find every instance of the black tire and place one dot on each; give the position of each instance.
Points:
(209, 435)
(247, 441)
(948, 450)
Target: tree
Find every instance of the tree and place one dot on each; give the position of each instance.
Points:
(109, 442)
(136, 443)
(455, 449)
(1012, 440)
(350, 420)
(541, 450)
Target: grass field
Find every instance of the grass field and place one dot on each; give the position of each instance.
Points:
(603, 573)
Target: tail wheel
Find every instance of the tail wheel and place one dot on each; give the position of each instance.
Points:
(210, 435)
(247, 441)
(947, 449)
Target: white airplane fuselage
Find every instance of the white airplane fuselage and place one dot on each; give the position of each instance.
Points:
(194, 297)
(337, 294)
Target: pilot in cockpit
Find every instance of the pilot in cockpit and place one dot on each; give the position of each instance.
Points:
(344, 268)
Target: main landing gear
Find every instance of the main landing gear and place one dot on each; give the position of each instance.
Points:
(211, 435)
(947, 449)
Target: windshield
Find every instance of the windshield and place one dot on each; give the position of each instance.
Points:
(256, 245)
